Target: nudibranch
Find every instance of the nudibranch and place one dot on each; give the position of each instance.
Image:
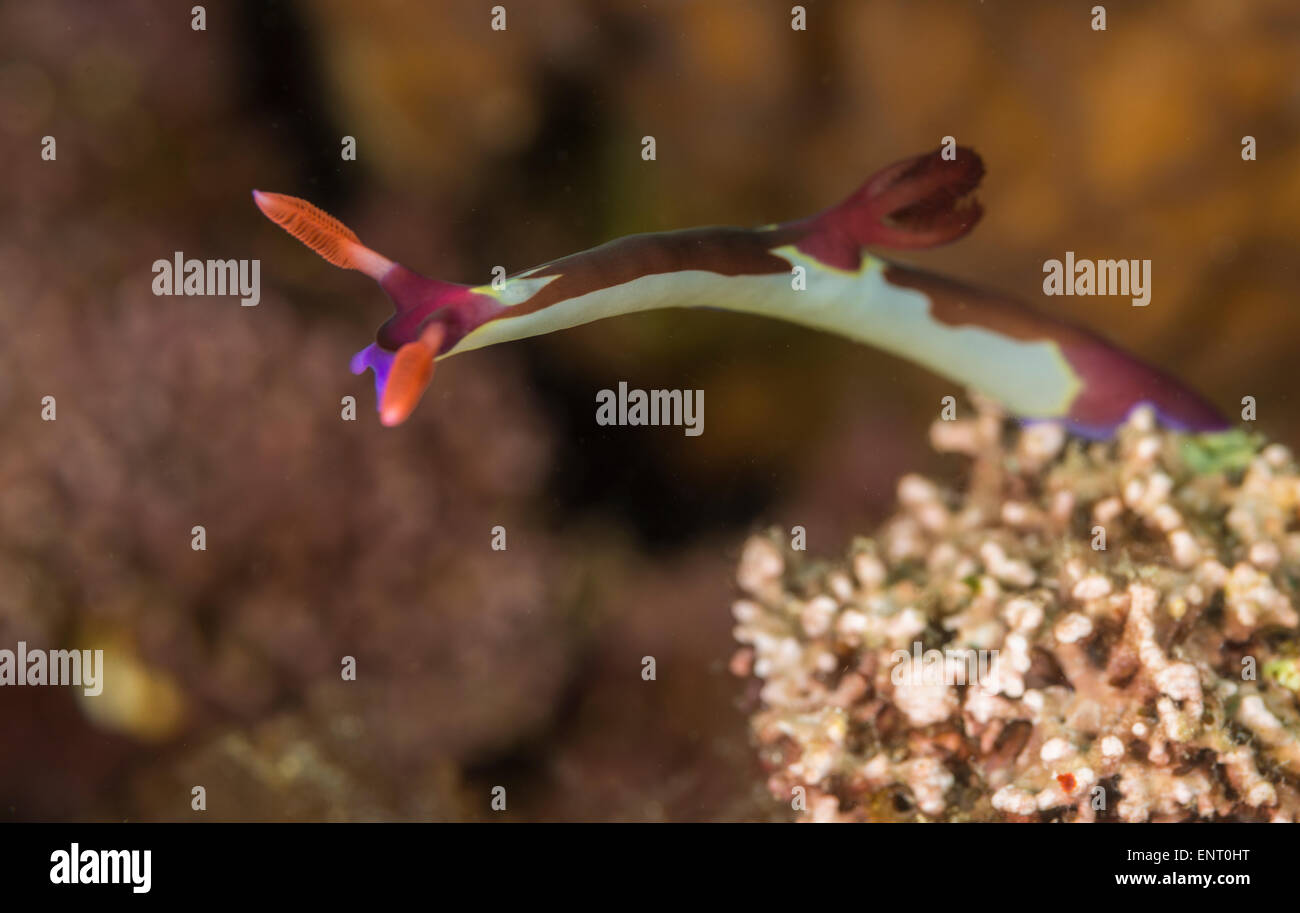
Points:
(814, 271)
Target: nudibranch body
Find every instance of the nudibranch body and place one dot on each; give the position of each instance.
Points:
(814, 271)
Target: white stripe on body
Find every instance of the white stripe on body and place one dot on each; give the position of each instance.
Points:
(1032, 379)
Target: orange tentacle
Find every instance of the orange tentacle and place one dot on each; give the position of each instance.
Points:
(321, 232)
(409, 376)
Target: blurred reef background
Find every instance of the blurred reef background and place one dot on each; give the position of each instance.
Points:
(477, 148)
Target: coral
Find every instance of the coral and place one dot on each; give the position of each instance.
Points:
(1089, 631)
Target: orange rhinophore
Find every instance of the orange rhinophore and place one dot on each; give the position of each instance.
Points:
(411, 371)
(322, 233)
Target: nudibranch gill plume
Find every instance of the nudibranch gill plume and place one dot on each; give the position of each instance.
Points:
(1038, 367)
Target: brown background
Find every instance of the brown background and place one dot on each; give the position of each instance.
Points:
(478, 148)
